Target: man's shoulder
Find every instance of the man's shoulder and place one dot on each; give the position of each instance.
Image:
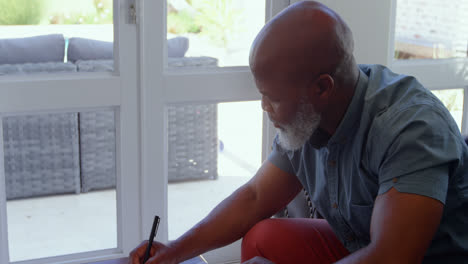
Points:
(381, 76)
(387, 91)
(370, 69)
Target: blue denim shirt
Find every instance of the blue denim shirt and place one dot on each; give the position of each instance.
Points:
(395, 133)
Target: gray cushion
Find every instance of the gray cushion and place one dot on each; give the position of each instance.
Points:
(192, 62)
(89, 49)
(44, 67)
(177, 47)
(45, 48)
(95, 65)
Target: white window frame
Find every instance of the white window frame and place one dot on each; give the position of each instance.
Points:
(370, 21)
(83, 92)
(434, 74)
(160, 87)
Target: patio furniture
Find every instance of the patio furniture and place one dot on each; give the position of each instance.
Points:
(55, 153)
(193, 142)
(41, 155)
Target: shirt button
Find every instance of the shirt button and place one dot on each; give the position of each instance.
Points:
(394, 180)
(332, 163)
(335, 205)
(349, 238)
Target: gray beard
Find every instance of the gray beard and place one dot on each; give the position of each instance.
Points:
(294, 135)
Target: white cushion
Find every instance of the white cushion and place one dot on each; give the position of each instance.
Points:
(37, 49)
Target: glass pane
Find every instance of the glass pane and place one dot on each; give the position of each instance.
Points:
(453, 100)
(211, 33)
(431, 29)
(213, 150)
(60, 173)
(56, 36)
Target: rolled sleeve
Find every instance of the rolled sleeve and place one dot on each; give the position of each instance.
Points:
(432, 182)
(418, 153)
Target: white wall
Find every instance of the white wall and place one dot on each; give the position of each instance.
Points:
(370, 22)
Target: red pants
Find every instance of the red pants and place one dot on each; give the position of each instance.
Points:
(297, 240)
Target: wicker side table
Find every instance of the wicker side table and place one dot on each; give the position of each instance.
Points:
(41, 155)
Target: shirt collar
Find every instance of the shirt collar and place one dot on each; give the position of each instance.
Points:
(321, 138)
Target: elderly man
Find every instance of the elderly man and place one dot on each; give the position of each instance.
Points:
(381, 157)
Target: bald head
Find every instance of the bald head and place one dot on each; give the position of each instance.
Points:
(302, 41)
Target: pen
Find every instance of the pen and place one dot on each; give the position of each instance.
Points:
(154, 230)
(204, 260)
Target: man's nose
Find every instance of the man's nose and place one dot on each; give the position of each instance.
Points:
(266, 106)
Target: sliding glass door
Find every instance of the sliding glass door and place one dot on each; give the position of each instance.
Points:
(204, 122)
(69, 130)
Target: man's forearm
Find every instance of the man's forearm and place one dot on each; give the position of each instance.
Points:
(362, 256)
(228, 222)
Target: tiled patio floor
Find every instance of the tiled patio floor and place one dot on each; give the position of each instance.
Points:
(38, 227)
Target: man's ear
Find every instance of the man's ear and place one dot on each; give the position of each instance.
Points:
(324, 86)
(321, 89)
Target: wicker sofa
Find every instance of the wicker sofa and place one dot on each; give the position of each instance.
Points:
(54, 153)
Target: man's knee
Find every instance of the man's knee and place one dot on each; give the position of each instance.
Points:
(257, 234)
(264, 237)
(277, 240)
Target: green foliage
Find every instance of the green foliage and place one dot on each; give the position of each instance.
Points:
(219, 19)
(32, 12)
(20, 12)
(102, 15)
(181, 22)
(76, 18)
(452, 98)
(216, 19)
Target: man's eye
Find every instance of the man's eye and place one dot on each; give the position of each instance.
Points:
(274, 104)
(275, 100)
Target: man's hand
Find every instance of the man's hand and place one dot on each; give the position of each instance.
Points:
(267, 192)
(160, 254)
(257, 260)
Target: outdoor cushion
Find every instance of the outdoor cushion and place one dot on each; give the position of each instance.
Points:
(37, 49)
(192, 62)
(89, 49)
(43, 67)
(177, 47)
(95, 65)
